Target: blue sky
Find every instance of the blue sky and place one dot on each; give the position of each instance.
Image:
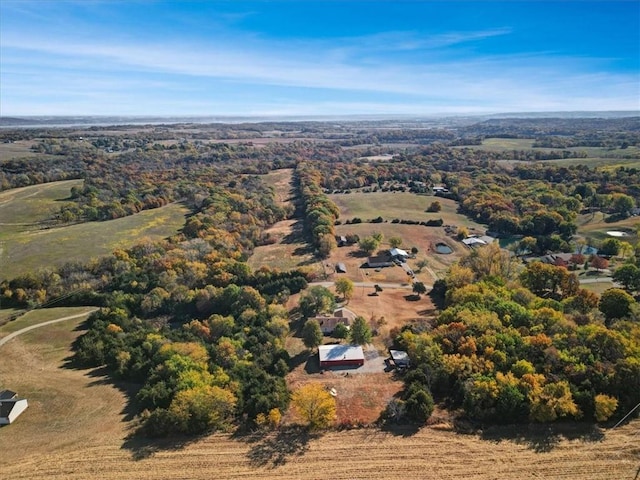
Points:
(110, 57)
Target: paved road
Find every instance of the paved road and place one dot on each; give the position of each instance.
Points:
(43, 324)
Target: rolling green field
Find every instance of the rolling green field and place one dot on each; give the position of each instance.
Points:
(596, 156)
(401, 205)
(35, 317)
(596, 227)
(26, 246)
(23, 208)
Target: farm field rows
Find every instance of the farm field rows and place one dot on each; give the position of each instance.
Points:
(76, 428)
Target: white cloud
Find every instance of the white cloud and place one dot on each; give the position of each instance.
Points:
(362, 66)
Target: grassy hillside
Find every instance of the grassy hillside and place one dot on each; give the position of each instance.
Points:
(25, 246)
(407, 206)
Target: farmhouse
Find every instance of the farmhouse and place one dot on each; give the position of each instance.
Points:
(340, 356)
(378, 261)
(341, 315)
(11, 406)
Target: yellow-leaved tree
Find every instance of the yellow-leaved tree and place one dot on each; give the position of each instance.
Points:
(314, 405)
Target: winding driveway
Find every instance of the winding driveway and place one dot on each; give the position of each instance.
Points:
(43, 324)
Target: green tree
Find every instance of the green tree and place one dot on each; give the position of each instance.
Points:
(622, 203)
(395, 242)
(419, 403)
(315, 405)
(610, 247)
(315, 300)
(344, 287)
(615, 303)
(311, 334)
(435, 206)
(360, 331)
(629, 276)
(419, 288)
(368, 245)
(341, 331)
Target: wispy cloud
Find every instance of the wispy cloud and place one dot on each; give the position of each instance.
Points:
(368, 74)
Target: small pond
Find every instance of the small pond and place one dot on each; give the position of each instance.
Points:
(443, 248)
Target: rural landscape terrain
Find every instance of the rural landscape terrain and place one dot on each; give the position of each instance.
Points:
(166, 288)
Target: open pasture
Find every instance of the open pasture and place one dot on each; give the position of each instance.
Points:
(281, 182)
(26, 246)
(400, 205)
(21, 208)
(597, 225)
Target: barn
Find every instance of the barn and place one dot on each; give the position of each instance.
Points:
(340, 356)
(11, 406)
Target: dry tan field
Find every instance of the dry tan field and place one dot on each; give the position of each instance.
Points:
(76, 428)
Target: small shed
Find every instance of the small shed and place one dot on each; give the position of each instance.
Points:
(398, 253)
(340, 356)
(400, 358)
(11, 406)
(341, 268)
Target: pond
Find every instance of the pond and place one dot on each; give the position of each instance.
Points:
(443, 248)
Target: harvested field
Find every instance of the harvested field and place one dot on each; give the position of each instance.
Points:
(77, 428)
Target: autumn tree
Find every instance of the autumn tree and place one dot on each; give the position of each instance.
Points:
(599, 263)
(344, 287)
(326, 244)
(314, 405)
(605, 406)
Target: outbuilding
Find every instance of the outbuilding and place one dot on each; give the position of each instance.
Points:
(400, 358)
(379, 261)
(340, 356)
(11, 406)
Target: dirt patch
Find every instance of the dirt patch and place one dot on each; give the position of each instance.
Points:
(361, 396)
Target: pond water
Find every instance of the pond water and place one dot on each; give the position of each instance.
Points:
(443, 248)
(617, 233)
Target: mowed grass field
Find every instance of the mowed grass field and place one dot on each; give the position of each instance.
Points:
(400, 205)
(77, 427)
(290, 250)
(26, 246)
(35, 317)
(608, 159)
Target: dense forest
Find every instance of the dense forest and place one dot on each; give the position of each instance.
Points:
(203, 335)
